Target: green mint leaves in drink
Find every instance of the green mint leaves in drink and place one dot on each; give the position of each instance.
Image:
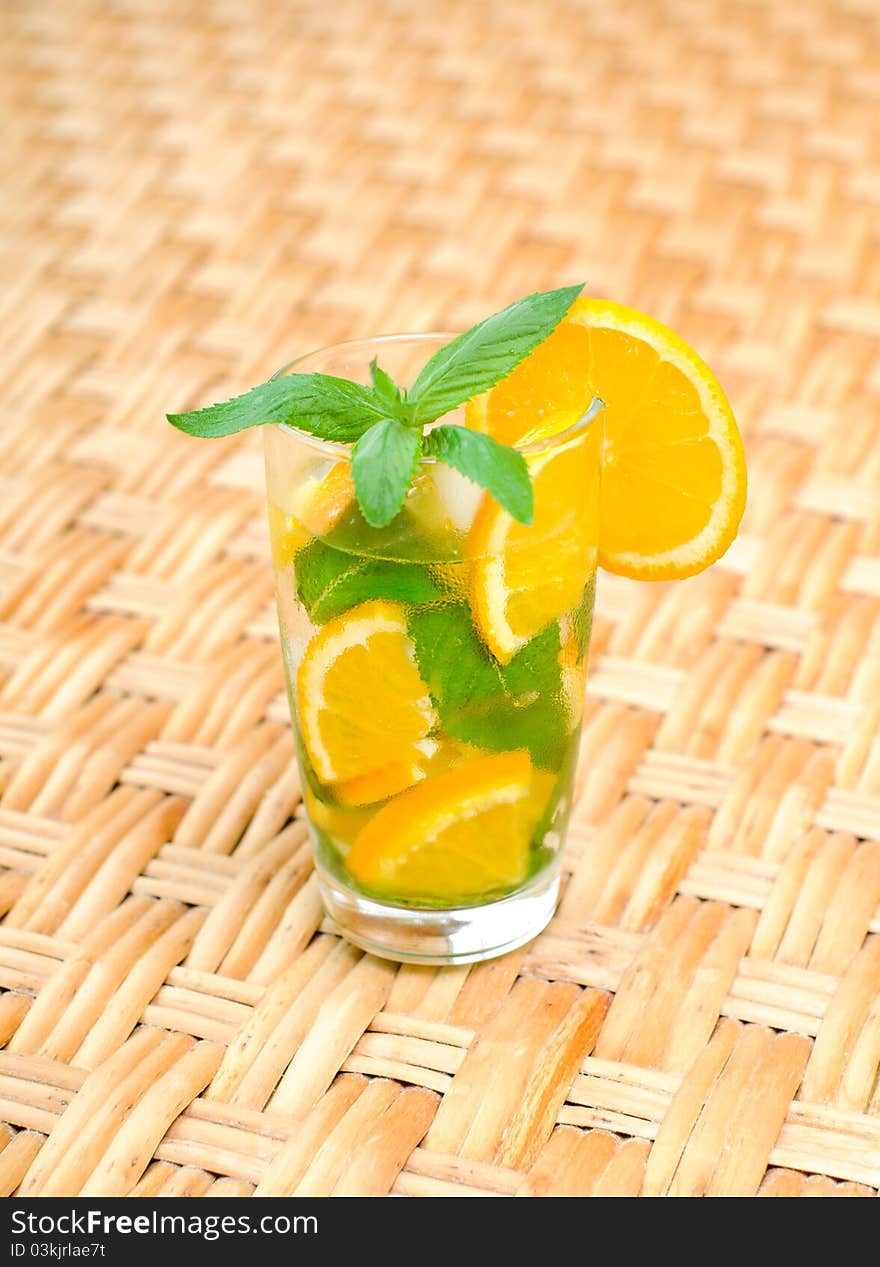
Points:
(386, 424)
(495, 707)
(330, 582)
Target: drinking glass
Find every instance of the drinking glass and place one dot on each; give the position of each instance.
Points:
(435, 671)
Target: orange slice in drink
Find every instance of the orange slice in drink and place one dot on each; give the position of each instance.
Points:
(321, 504)
(387, 780)
(361, 702)
(316, 506)
(673, 469)
(525, 577)
(433, 756)
(457, 836)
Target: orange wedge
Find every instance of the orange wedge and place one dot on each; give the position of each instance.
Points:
(361, 702)
(525, 577)
(387, 780)
(673, 469)
(316, 506)
(457, 836)
(320, 504)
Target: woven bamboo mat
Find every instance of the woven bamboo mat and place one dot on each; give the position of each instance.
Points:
(194, 194)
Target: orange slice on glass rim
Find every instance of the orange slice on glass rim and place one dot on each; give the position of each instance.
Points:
(673, 468)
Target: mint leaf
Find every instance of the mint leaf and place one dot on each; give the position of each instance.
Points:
(329, 581)
(383, 462)
(518, 706)
(493, 466)
(332, 408)
(388, 394)
(486, 353)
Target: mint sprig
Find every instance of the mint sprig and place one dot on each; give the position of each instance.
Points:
(387, 425)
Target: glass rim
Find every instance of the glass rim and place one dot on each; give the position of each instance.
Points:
(341, 450)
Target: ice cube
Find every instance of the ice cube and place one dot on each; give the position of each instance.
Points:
(459, 497)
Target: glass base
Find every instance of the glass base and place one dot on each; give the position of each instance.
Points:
(465, 934)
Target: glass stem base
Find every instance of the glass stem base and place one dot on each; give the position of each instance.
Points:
(464, 934)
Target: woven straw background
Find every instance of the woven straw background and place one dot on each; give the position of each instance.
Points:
(195, 193)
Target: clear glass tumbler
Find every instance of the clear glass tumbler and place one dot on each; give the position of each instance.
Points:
(436, 672)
